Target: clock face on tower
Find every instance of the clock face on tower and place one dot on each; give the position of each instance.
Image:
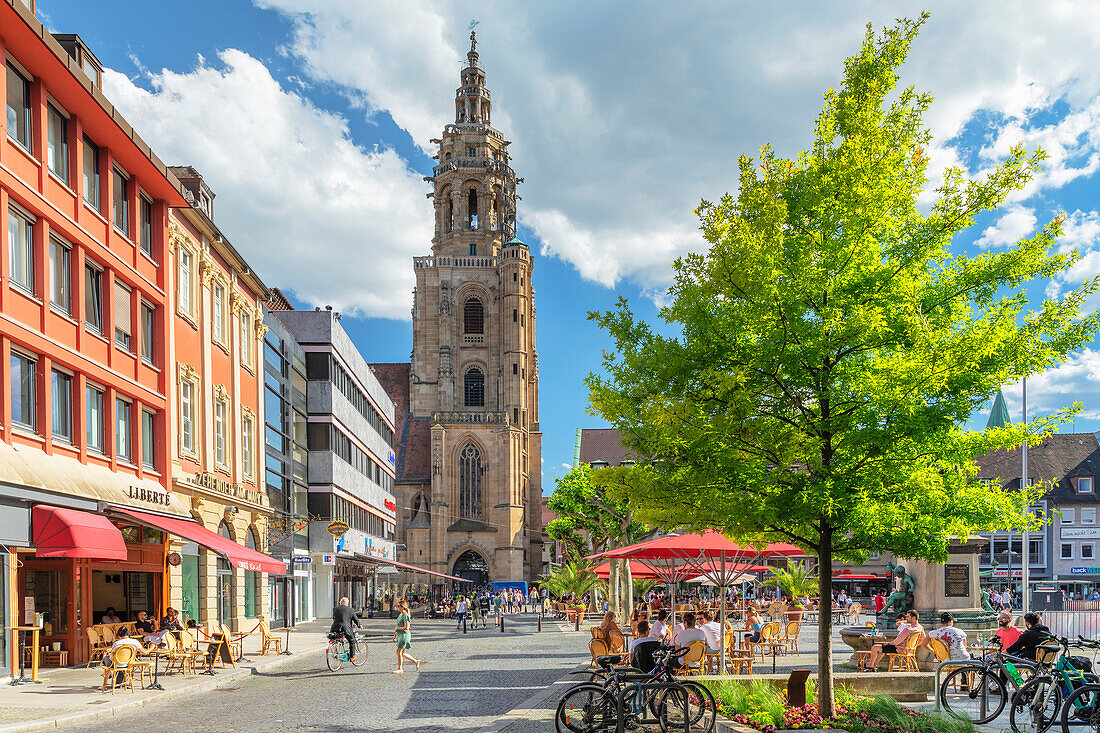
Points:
(473, 380)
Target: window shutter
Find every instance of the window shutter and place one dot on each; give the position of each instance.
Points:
(122, 308)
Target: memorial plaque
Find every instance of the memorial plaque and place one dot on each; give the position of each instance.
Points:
(956, 581)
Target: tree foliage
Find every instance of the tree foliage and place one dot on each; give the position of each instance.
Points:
(828, 348)
(794, 582)
(573, 577)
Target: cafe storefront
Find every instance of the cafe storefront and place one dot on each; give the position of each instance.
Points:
(207, 586)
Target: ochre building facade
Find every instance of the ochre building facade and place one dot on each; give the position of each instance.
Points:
(469, 446)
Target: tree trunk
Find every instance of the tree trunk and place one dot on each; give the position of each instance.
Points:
(627, 594)
(614, 571)
(825, 703)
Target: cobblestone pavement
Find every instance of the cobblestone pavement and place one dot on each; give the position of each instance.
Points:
(467, 683)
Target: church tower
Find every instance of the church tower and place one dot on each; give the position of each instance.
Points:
(474, 371)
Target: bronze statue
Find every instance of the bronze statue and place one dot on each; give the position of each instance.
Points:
(901, 600)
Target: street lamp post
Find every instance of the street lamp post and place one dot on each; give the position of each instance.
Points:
(1026, 559)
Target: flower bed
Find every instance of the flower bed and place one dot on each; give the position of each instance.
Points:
(759, 706)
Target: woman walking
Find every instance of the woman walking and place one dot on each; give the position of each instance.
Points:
(402, 636)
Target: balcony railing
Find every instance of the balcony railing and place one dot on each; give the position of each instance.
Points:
(432, 261)
(486, 418)
(473, 339)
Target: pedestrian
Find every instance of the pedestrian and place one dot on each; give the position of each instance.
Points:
(475, 610)
(403, 638)
(498, 605)
(483, 604)
(460, 610)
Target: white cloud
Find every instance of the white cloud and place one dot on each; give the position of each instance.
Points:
(1081, 233)
(311, 211)
(1076, 380)
(1015, 224)
(624, 116)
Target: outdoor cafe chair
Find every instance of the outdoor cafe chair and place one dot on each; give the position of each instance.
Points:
(235, 644)
(790, 635)
(906, 657)
(693, 658)
(122, 668)
(269, 641)
(98, 647)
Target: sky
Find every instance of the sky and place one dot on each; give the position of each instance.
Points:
(311, 121)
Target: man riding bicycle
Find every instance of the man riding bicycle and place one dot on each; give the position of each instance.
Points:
(344, 621)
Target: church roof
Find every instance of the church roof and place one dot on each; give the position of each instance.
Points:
(998, 416)
(412, 435)
(516, 242)
(602, 444)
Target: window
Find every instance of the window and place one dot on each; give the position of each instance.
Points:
(1087, 551)
(93, 298)
(515, 316)
(217, 295)
(1084, 485)
(123, 326)
(473, 247)
(145, 224)
(148, 442)
(1067, 515)
(91, 173)
(123, 442)
(59, 275)
(187, 416)
(186, 267)
(515, 369)
(471, 152)
(246, 338)
(22, 390)
(19, 108)
(57, 143)
(62, 392)
(1067, 550)
(475, 388)
(219, 433)
(473, 316)
(1088, 516)
(120, 201)
(148, 321)
(246, 446)
(94, 412)
(470, 471)
(21, 246)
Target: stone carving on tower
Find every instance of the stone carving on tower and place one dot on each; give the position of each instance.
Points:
(474, 355)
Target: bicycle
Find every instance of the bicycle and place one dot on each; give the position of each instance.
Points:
(977, 691)
(1036, 705)
(337, 652)
(622, 696)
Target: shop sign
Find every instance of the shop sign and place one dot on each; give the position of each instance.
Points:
(380, 549)
(393, 459)
(1079, 533)
(234, 491)
(328, 559)
(338, 528)
(150, 496)
(1004, 573)
(1084, 571)
(391, 505)
(299, 560)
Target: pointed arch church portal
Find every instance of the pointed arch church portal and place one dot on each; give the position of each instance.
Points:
(471, 566)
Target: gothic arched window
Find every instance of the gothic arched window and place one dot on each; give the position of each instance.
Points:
(471, 209)
(470, 470)
(473, 316)
(475, 388)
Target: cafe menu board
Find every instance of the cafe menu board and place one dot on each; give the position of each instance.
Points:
(956, 581)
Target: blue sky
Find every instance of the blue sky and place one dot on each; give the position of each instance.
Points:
(310, 119)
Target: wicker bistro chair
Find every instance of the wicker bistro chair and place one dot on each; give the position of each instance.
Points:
(598, 646)
(122, 668)
(269, 641)
(235, 644)
(616, 643)
(98, 647)
(906, 656)
(693, 659)
(790, 636)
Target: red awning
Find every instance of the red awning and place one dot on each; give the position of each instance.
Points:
(72, 533)
(422, 570)
(238, 555)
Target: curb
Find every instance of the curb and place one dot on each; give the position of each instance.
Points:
(531, 703)
(223, 679)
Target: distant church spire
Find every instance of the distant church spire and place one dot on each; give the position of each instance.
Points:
(998, 416)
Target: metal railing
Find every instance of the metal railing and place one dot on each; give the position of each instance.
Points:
(431, 261)
(488, 418)
(1072, 624)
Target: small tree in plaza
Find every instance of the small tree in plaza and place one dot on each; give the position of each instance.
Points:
(793, 582)
(588, 519)
(816, 365)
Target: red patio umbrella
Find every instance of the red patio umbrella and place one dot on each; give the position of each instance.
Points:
(679, 557)
(638, 570)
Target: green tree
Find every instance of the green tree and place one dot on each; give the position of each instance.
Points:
(793, 582)
(818, 361)
(589, 518)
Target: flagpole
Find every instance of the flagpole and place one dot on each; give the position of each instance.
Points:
(1026, 562)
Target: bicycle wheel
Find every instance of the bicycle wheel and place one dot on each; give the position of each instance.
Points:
(362, 652)
(1082, 708)
(1035, 706)
(335, 654)
(973, 693)
(585, 709)
(701, 708)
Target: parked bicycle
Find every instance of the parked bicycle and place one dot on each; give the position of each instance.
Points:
(978, 690)
(1037, 704)
(337, 652)
(625, 698)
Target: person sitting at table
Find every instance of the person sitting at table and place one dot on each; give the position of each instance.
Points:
(1035, 635)
(752, 621)
(171, 620)
(144, 626)
(954, 639)
(642, 648)
(1007, 632)
(110, 616)
(712, 631)
(659, 630)
(608, 624)
(690, 633)
(122, 638)
(908, 624)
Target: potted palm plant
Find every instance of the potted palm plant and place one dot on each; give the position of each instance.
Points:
(794, 582)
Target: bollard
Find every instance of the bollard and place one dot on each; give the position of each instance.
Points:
(463, 624)
(540, 622)
(577, 621)
(502, 623)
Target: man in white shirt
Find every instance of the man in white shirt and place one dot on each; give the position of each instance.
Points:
(690, 634)
(660, 627)
(460, 610)
(122, 638)
(713, 632)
